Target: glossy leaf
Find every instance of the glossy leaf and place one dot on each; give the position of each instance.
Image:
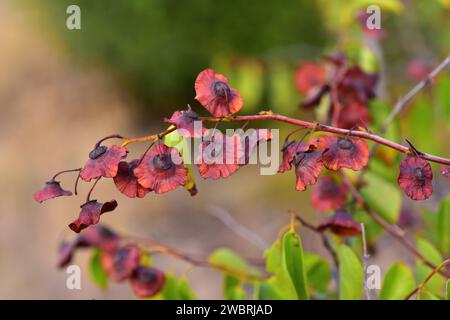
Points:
(279, 285)
(96, 271)
(184, 289)
(293, 259)
(175, 289)
(350, 274)
(265, 290)
(230, 262)
(398, 282)
(232, 288)
(383, 197)
(318, 271)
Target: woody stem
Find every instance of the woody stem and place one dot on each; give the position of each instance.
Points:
(422, 284)
(325, 128)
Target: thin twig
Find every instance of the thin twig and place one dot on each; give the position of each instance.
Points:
(325, 241)
(64, 171)
(227, 219)
(267, 115)
(153, 137)
(422, 284)
(394, 230)
(156, 246)
(403, 101)
(88, 197)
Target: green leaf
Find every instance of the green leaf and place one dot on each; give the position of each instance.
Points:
(97, 274)
(175, 140)
(293, 259)
(232, 288)
(318, 271)
(427, 295)
(382, 196)
(443, 226)
(279, 285)
(448, 289)
(146, 260)
(436, 283)
(184, 289)
(175, 289)
(169, 291)
(230, 262)
(350, 274)
(265, 290)
(430, 220)
(398, 282)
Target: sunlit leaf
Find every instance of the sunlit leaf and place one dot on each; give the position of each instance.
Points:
(318, 271)
(96, 271)
(367, 60)
(175, 289)
(427, 295)
(146, 260)
(184, 289)
(175, 140)
(230, 262)
(293, 259)
(398, 282)
(232, 288)
(351, 278)
(266, 291)
(279, 285)
(436, 283)
(169, 291)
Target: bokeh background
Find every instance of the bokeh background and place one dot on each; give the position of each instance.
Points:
(135, 62)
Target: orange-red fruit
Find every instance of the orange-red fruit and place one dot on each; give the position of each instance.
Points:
(342, 224)
(162, 169)
(415, 178)
(90, 214)
(344, 152)
(214, 93)
(328, 195)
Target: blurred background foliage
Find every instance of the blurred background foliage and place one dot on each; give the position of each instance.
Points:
(158, 47)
